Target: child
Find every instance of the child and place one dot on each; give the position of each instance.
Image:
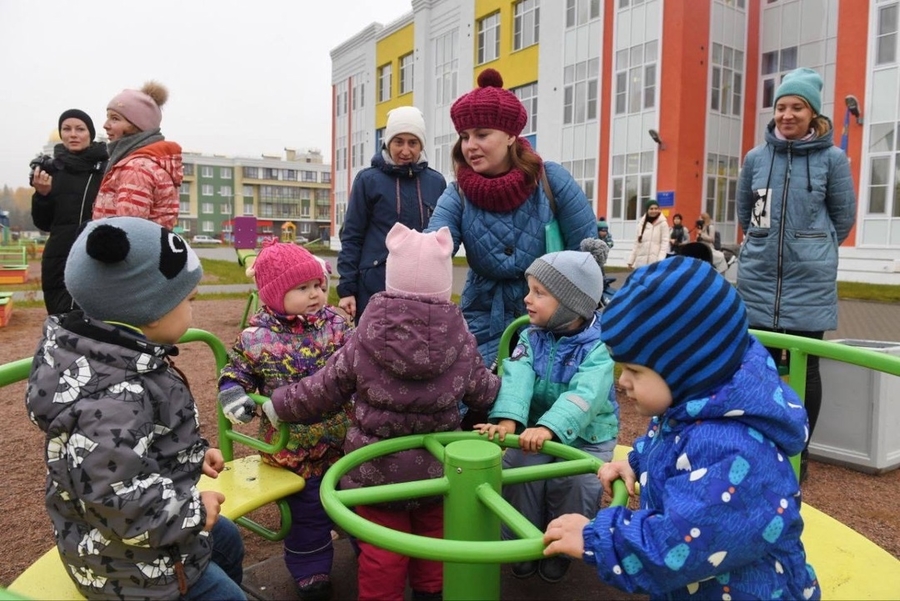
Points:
(144, 175)
(123, 445)
(720, 506)
(603, 232)
(292, 335)
(409, 362)
(557, 385)
(679, 236)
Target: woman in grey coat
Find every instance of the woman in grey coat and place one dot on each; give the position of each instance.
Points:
(796, 205)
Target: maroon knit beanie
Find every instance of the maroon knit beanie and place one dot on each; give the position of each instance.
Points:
(489, 106)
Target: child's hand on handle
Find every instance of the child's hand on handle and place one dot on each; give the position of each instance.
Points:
(269, 410)
(614, 470)
(501, 429)
(212, 501)
(236, 405)
(532, 439)
(213, 463)
(564, 535)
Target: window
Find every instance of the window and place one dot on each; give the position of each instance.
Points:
(359, 92)
(304, 208)
(739, 4)
(579, 12)
(406, 73)
(225, 172)
(248, 208)
(774, 65)
(206, 171)
(886, 40)
(326, 175)
(225, 191)
(384, 82)
(726, 94)
(188, 169)
(527, 94)
(884, 196)
(632, 180)
(206, 190)
(225, 208)
(248, 191)
(184, 207)
(445, 68)
(721, 188)
(208, 227)
(308, 176)
(270, 173)
(526, 24)
(583, 171)
(580, 91)
(489, 38)
(207, 208)
(251, 172)
(185, 188)
(443, 147)
(636, 78)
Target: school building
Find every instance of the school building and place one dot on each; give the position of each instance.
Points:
(641, 99)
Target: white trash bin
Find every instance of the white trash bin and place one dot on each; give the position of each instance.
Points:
(859, 423)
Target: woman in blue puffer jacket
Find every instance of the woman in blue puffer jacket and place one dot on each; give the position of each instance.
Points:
(398, 187)
(503, 209)
(796, 205)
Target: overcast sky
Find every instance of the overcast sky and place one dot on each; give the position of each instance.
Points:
(244, 77)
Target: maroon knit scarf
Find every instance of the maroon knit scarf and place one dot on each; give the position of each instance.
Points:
(500, 194)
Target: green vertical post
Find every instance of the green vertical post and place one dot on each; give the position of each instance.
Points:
(469, 465)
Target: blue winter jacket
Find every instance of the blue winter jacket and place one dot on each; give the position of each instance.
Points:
(787, 269)
(564, 383)
(501, 246)
(381, 196)
(720, 505)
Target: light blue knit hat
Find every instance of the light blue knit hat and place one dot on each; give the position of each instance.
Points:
(681, 319)
(805, 83)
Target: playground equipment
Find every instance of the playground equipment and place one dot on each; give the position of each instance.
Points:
(247, 484)
(849, 565)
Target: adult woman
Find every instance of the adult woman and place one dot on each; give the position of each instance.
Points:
(503, 209)
(652, 242)
(796, 204)
(63, 201)
(398, 187)
(144, 174)
(706, 233)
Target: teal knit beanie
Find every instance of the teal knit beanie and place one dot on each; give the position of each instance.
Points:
(805, 83)
(681, 319)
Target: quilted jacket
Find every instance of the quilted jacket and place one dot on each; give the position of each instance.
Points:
(146, 184)
(409, 363)
(720, 505)
(501, 246)
(124, 455)
(787, 268)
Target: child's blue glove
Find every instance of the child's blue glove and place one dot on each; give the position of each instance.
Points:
(269, 410)
(236, 405)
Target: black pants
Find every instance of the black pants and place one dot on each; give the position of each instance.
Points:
(813, 401)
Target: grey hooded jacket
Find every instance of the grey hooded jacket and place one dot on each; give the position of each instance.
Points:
(787, 268)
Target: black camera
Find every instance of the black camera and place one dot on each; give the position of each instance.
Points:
(48, 164)
(699, 223)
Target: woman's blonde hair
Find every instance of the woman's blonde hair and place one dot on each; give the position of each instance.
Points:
(520, 154)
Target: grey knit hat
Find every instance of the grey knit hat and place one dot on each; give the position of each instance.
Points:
(574, 278)
(130, 270)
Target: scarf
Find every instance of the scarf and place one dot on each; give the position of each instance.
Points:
(83, 161)
(120, 149)
(500, 194)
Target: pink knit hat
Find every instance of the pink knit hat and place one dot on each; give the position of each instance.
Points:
(281, 267)
(489, 106)
(141, 107)
(419, 264)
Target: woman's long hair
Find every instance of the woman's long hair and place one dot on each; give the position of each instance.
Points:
(520, 154)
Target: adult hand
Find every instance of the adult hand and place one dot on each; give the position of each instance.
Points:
(42, 181)
(348, 305)
(615, 470)
(630, 266)
(532, 439)
(213, 463)
(212, 500)
(564, 535)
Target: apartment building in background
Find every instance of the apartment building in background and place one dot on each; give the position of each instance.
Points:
(597, 76)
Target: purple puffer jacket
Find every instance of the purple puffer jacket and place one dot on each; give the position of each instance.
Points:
(410, 361)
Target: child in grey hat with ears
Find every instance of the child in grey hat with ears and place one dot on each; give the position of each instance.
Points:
(557, 385)
(123, 446)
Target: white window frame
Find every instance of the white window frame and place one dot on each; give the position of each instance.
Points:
(225, 172)
(584, 171)
(726, 82)
(248, 208)
(385, 80)
(581, 88)
(635, 80)
(208, 227)
(631, 172)
(528, 96)
(407, 65)
(207, 208)
(785, 61)
(488, 38)
(225, 191)
(886, 35)
(446, 68)
(225, 208)
(206, 171)
(206, 190)
(722, 172)
(580, 12)
(526, 24)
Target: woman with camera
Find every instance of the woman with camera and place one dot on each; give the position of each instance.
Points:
(796, 204)
(706, 233)
(65, 185)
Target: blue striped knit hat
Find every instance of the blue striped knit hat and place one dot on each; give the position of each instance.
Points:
(681, 319)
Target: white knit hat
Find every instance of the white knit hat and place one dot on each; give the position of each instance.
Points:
(405, 120)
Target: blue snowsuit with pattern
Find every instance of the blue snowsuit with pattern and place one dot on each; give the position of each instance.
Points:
(720, 505)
